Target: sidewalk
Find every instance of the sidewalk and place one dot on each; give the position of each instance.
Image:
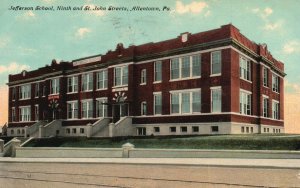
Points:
(219, 162)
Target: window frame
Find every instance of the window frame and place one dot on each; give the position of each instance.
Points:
(102, 79)
(54, 86)
(212, 89)
(74, 111)
(88, 113)
(122, 76)
(245, 96)
(87, 82)
(143, 80)
(74, 84)
(212, 62)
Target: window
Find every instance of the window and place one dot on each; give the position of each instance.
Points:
(144, 108)
(102, 79)
(265, 130)
(173, 129)
(87, 109)
(186, 67)
(37, 90)
(251, 129)
(81, 130)
(19, 131)
(195, 129)
(275, 83)
(23, 131)
(141, 131)
(72, 108)
(44, 91)
(25, 113)
(54, 86)
(87, 82)
(157, 71)
(25, 91)
(101, 107)
(183, 129)
(13, 114)
(144, 76)
(216, 100)
(156, 129)
(36, 112)
(185, 102)
(12, 131)
(265, 107)
(275, 109)
(14, 95)
(214, 128)
(245, 69)
(265, 77)
(68, 131)
(74, 131)
(216, 62)
(242, 129)
(121, 76)
(72, 84)
(157, 103)
(245, 103)
(247, 129)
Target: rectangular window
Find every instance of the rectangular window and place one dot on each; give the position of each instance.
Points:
(87, 109)
(25, 91)
(144, 108)
(173, 129)
(72, 108)
(216, 62)
(245, 69)
(175, 68)
(25, 113)
(68, 131)
(175, 103)
(245, 103)
(14, 93)
(121, 76)
(196, 67)
(275, 109)
(265, 77)
(275, 83)
(265, 107)
(157, 71)
(185, 106)
(216, 100)
(156, 129)
(87, 82)
(185, 102)
(214, 128)
(157, 104)
(186, 67)
(101, 107)
(141, 131)
(74, 131)
(242, 129)
(37, 90)
(81, 130)
(72, 84)
(13, 114)
(195, 129)
(36, 112)
(183, 129)
(102, 79)
(143, 76)
(54, 86)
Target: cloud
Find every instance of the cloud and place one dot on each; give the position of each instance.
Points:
(13, 68)
(82, 32)
(273, 26)
(208, 13)
(28, 15)
(264, 14)
(194, 7)
(291, 47)
(291, 87)
(3, 42)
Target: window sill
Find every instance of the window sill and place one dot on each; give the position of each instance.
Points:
(72, 92)
(143, 84)
(246, 80)
(53, 94)
(214, 75)
(24, 99)
(187, 78)
(86, 91)
(157, 82)
(114, 87)
(101, 89)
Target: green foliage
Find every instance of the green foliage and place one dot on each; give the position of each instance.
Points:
(242, 142)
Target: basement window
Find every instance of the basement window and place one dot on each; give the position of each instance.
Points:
(195, 129)
(214, 128)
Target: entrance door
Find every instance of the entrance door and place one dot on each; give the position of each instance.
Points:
(120, 110)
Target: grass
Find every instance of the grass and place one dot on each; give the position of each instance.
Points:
(235, 142)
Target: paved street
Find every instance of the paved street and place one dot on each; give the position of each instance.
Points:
(73, 173)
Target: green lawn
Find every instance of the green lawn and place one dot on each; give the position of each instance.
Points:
(244, 142)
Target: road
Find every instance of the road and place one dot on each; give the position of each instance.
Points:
(40, 175)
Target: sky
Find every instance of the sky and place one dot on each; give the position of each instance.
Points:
(30, 39)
